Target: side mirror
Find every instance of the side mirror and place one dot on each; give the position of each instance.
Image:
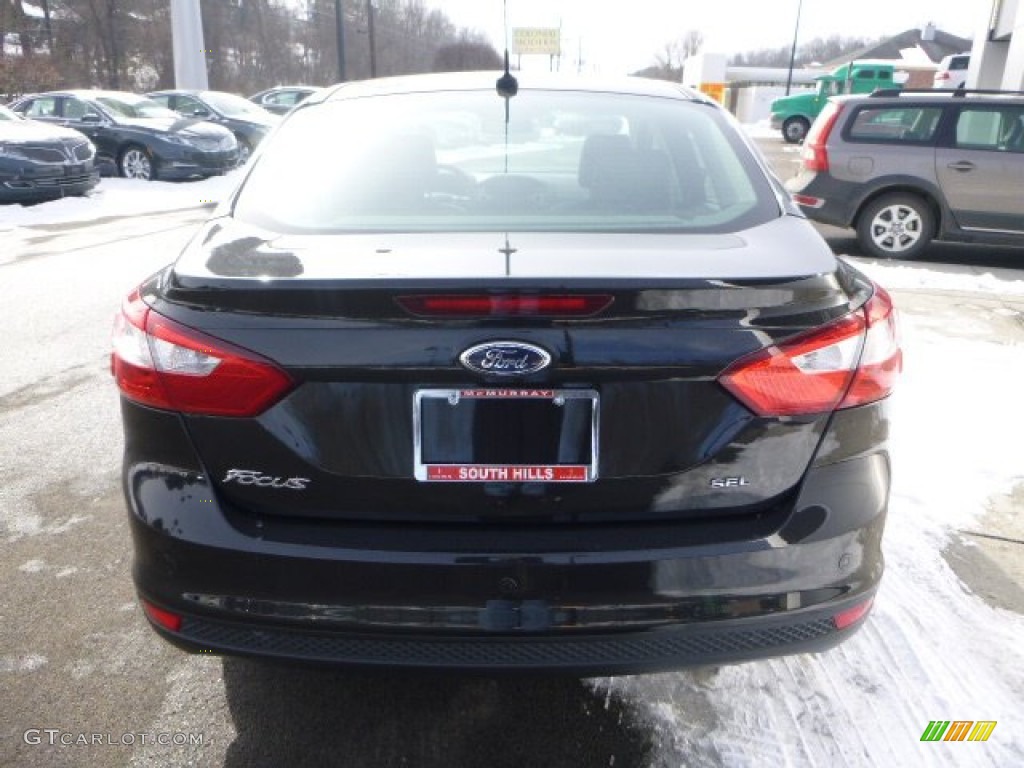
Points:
(200, 112)
(91, 117)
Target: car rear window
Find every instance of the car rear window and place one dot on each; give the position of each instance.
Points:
(991, 128)
(895, 124)
(563, 162)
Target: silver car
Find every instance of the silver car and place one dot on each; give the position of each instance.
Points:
(906, 167)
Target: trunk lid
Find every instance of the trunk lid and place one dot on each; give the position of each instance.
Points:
(637, 381)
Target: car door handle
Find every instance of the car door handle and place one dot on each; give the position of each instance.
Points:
(961, 165)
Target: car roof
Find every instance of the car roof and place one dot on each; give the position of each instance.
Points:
(82, 93)
(469, 81)
(187, 92)
(934, 96)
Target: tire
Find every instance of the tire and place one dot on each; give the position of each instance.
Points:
(896, 226)
(244, 151)
(795, 129)
(135, 163)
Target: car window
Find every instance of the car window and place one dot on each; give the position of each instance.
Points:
(282, 98)
(76, 109)
(231, 105)
(998, 129)
(6, 114)
(131, 106)
(895, 124)
(163, 99)
(186, 105)
(563, 162)
(44, 106)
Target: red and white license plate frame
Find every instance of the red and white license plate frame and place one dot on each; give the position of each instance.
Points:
(428, 472)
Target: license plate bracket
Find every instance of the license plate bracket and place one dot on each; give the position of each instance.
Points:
(505, 435)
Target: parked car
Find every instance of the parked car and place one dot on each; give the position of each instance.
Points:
(904, 168)
(136, 137)
(282, 98)
(249, 122)
(589, 403)
(952, 71)
(41, 162)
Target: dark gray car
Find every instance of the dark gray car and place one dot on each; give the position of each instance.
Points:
(250, 123)
(907, 167)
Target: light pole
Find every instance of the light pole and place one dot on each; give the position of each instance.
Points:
(372, 37)
(339, 32)
(792, 53)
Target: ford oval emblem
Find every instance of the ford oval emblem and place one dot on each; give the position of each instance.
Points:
(505, 358)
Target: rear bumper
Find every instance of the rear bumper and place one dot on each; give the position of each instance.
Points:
(839, 199)
(582, 599)
(582, 654)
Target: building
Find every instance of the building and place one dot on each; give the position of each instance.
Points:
(916, 52)
(997, 56)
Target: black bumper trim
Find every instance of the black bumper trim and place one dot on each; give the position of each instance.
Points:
(623, 653)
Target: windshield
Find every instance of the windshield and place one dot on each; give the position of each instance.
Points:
(564, 162)
(6, 114)
(232, 106)
(133, 106)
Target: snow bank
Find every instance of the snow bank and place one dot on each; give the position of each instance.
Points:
(120, 197)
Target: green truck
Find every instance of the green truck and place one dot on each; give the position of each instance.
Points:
(794, 114)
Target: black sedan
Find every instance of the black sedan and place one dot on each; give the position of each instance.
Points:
(280, 99)
(596, 401)
(136, 137)
(41, 162)
(249, 123)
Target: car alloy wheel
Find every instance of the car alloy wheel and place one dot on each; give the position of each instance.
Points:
(896, 226)
(135, 164)
(244, 151)
(794, 130)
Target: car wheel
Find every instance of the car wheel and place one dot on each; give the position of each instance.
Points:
(135, 163)
(896, 226)
(244, 150)
(794, 130)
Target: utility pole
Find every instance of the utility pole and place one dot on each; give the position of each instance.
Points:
(187, 45)
(792, 53)
(372, 37)
(339, 32)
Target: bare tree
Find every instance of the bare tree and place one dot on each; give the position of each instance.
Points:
(250, 44)
(468, 54)
(668, 65)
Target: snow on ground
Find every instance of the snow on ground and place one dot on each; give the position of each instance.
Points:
(952, 278)
(761, 130)
(119, 197)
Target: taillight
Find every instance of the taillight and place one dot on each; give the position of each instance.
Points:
(850, 616)
(850, 362)
(165, 619)
(161, 363)
(814, 154)
(514, 305)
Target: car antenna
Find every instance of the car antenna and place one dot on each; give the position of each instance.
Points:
(507, 84)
